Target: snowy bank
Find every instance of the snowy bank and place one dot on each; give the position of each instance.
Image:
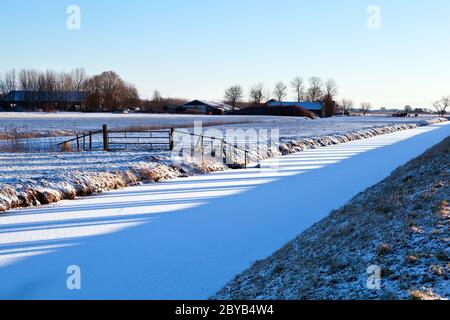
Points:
(299, 145)
(55, 185)
(399, 227)
(69, 184)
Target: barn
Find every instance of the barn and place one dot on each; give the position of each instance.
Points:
(16, 100)
(205, 107)
(321, 109)
(317, 108)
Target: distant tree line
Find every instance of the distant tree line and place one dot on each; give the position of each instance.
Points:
(104, 92)
(159, 104)
(109, 92)
(314, 91)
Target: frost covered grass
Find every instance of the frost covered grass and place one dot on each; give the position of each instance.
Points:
(290, 127)
(33, 180)
(73, 122)
(42, 178)
(41, 132)
(400, 225)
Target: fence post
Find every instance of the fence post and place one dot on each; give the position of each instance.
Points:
(222, 151)
(90, 140)
(78, 142)
(171, 139)
(213, 151)
(202, 148)
(229, 154)
(105, 138)
(245, 166)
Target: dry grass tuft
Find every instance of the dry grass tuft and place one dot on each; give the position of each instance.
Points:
(443, 209)
(424, 295)
(383, 249)
(67, 147)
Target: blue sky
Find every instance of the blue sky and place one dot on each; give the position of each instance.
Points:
(196, 48)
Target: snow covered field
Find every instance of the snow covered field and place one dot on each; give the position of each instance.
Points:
(289, 126)
(67, 121)
(30, 179)
(186, 238)
(44, 131)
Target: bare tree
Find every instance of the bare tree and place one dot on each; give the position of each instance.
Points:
(442, 105)
(157, 98)
(23, 80)
(93, 98)
(331, 90)
(10, 81)
(299, 88)
(257, 93)
(78, 76)
(107, 91)
(110, 87)
(347, 105)
(408, 109)
(234, 94)
(315, 91)
(28, 80)
(132, 96)
(365, 107)
(2, 86)
(280, 91)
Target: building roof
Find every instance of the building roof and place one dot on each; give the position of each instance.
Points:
(312, 106)
(211, 104)
(45, 96)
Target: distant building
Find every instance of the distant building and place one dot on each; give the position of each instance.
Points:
(205, 107)
(318, 108)
(19, 100)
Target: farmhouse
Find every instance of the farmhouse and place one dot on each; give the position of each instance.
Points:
(205, 107)
(19, 100)
(321, 109)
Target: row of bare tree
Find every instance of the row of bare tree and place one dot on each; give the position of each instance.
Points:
(105, 92)
(441, 105)
(318, 90)
(33, 80)
(346, 106)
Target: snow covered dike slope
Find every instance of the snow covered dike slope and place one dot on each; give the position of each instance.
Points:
(399, 227)
(187, 238)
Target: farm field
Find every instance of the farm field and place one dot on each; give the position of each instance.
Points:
(43, 131)
(22, 167)
(73, 122)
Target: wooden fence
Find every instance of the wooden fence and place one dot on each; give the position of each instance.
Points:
(113, 140)
(157, 140)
